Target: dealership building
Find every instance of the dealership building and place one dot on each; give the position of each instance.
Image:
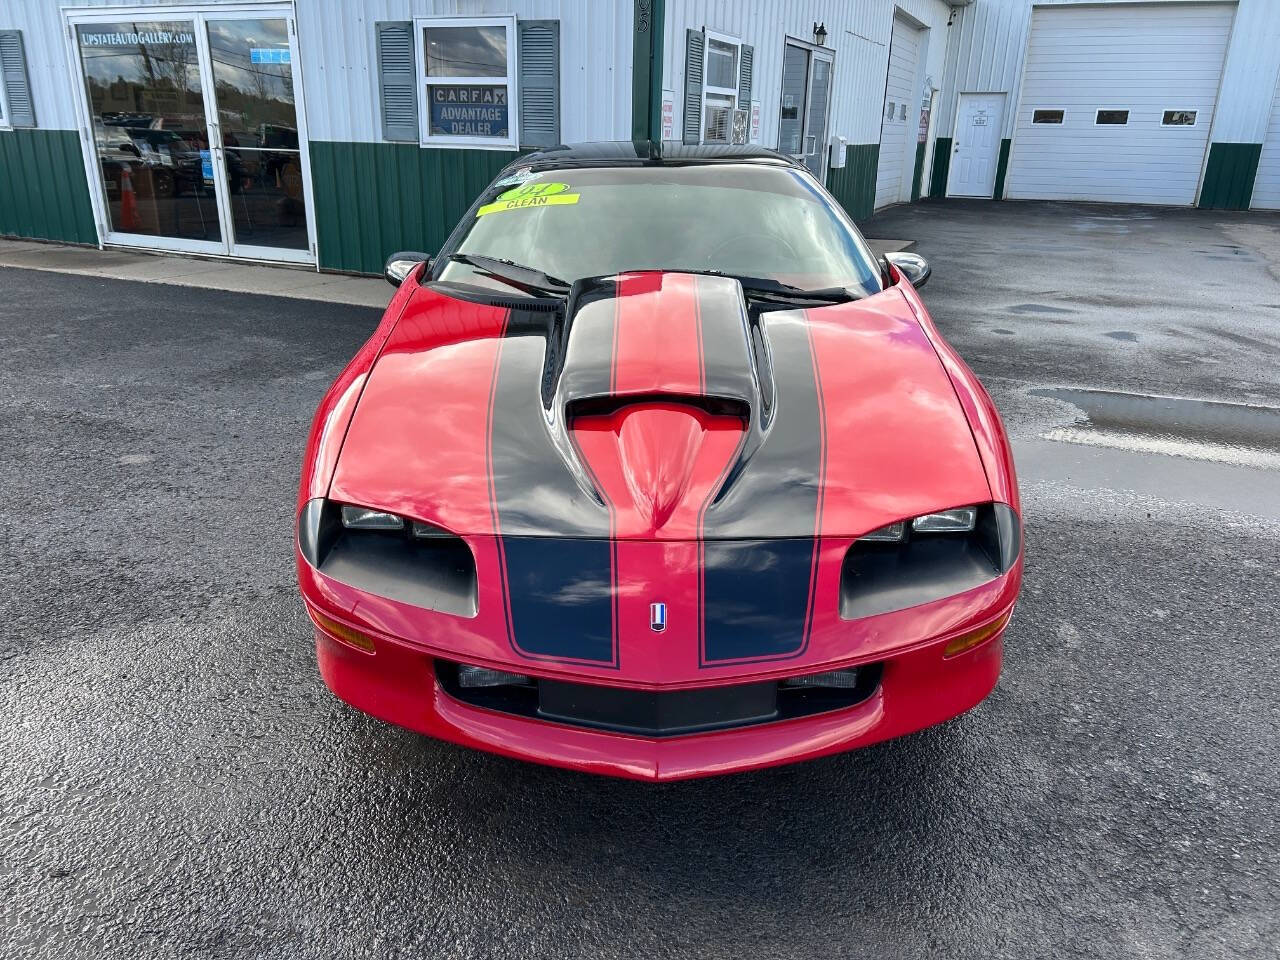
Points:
(330, 133)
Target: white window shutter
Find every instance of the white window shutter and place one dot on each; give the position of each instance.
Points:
(13, 64)
(539, 82)
(397, 80)
(746, 59)
(694, 52)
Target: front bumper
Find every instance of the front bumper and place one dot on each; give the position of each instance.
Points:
(918, 688)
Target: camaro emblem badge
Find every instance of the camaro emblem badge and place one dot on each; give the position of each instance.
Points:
(657, 617)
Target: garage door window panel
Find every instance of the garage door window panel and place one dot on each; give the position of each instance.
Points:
(467, 71)
(1047, 116)
(1112, 118)
(1178, 118)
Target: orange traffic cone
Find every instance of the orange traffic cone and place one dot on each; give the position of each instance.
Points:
(128, 202)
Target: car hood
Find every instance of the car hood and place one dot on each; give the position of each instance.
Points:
(652, 406)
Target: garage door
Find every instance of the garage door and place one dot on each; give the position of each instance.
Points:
(901, 110)
(1117, 102)
(1266, 188)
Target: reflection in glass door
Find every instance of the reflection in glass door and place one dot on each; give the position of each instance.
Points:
(256, 134)
(815, 124)
(795, 70)
(806, 104)
(147, 115)
(195, 131)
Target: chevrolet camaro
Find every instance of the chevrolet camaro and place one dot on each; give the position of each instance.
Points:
(657, 470)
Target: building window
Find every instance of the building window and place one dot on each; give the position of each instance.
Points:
(1046, 116)
(1117, 118)
(467, 71)
(720, 88)
(1178, 118)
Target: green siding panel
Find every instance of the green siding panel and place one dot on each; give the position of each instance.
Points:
(1002, 169)
(372, 199)
(919, 173)
(941, 167)
(854, 184)
(44, 193)
(646, 73)
(1229, 176)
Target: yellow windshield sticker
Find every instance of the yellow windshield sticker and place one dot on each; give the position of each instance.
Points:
(531, 195)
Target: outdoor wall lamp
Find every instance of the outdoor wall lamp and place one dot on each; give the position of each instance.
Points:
(820, 34)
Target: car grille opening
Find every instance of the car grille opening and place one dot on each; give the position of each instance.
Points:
(667, 713)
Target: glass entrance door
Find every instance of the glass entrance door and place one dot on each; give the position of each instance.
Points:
(147, 117)
(195, 131)
(815, 124)
(256, 145)
(806, 104)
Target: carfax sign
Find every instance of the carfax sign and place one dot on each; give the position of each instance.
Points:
(467, 111)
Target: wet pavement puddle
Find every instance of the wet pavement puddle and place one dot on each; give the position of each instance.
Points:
(1199, 429)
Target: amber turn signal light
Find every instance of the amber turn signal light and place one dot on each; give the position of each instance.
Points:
(967, 641)
(340, 631)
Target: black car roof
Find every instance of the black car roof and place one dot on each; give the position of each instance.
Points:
(649, 152)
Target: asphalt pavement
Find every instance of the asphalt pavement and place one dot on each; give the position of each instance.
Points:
(176, 781)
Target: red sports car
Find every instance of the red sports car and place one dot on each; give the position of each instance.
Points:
(657, 471)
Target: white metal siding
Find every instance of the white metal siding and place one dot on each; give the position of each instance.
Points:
(988, 39)
(1266, 188)
(1142, 58)
(858, 32)
(1253, 64)
(897, 156)
(339, 61)
(339, 64)
(984, 55)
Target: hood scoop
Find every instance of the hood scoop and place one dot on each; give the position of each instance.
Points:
(653, 336)
(657, 463)
(657, 388)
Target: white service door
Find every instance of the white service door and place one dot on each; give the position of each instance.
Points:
(1142, 58)
(900, 118)
(1266, 188)
(975, 149)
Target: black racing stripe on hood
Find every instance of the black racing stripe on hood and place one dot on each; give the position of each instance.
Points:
(558, 588)
(757, 594)
(586, 337)
(727, 362)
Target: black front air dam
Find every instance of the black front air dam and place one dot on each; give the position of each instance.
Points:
(657, 715)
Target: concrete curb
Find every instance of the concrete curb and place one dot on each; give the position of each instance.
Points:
(149, 267)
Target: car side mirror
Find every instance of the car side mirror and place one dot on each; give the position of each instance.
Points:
(400, 265)
(912, 266)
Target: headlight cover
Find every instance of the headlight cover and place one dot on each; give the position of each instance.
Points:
(362, 518)
(961, 520)
(389, 555)
(933, 556)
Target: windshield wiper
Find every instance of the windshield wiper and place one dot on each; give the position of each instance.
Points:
(764, 290)
(515, 274)
(800, 297)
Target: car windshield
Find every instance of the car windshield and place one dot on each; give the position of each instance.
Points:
(749, 220)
